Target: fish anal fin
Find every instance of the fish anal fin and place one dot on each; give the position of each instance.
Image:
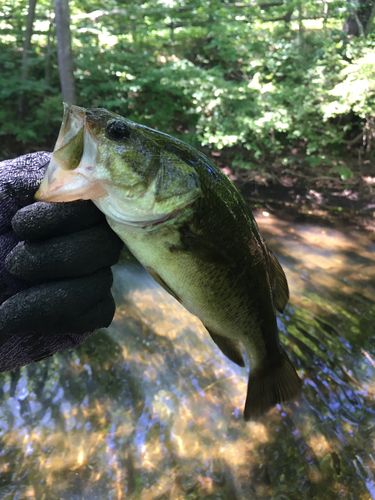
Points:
(229, 347)
(280, 289)
(151, 271)
(274, 383)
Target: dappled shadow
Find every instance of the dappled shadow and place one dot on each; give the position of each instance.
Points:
(151, 409)
(299, 195)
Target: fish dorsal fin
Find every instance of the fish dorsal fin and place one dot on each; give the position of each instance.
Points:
(176, 184)
(280, 289)
(229, 347)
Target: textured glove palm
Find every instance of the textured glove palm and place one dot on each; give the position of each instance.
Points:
(55, 260)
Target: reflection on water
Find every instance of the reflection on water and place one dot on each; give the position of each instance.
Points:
(151, 409)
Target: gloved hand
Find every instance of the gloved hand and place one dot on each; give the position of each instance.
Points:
(55, 260)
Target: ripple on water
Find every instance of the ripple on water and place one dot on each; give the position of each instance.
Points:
(151, 409)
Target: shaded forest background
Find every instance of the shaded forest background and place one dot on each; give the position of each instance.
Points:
(248, 82)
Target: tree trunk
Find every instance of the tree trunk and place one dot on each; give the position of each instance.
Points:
(368, 27)
(359, 21)
(48, 50)
(300, 26)
(26, 54)
(64, 51)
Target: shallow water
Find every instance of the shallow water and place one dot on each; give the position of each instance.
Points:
(151, 409)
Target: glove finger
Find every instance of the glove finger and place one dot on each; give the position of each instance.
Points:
(21, 350)
(55, 303)
(9, 284)
(21, 177)
(98, 316)
(18, 351)
(78, 254)
(4, 337)
(54, 219)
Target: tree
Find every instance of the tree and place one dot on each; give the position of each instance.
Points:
(255, 78)
(360, 19)
(64, 50)
(25, 54)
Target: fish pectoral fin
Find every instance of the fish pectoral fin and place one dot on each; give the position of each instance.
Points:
(273, 383)
(280, 289)
(229, 347)
(200, 247)
(151, 271)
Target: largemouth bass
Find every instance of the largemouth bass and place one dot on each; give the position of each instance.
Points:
(189, 226)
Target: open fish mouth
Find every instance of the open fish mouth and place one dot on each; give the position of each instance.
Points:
(68, 176)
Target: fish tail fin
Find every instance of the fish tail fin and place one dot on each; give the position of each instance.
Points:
(271, 384)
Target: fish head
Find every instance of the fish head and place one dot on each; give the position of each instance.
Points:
(128, 170)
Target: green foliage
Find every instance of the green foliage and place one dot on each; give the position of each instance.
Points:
(343, 171)
(356, 88)
(212, 73)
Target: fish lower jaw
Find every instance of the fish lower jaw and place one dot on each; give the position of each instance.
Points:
(146, 220)
(128, 218)
(142, 224)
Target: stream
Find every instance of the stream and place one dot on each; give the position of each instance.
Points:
(150, 408)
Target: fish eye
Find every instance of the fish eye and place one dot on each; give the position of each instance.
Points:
(117, 131)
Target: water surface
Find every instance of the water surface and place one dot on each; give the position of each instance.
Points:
(151, 409)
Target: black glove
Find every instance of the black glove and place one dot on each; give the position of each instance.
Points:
(55, 260)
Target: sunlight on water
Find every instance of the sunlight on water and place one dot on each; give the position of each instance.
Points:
(151, 409)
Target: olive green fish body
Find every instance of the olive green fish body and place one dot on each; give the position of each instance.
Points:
(214, 262)
(189, 226)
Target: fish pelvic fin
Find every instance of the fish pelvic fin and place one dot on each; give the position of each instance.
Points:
(270, 385)
(229, 347)
(151, 271)
(280, 289)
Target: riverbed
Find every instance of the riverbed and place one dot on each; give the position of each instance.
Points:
(151, 409)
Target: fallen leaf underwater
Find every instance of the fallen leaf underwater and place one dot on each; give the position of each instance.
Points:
(189, 226)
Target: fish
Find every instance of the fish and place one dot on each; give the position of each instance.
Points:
(189, 226)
